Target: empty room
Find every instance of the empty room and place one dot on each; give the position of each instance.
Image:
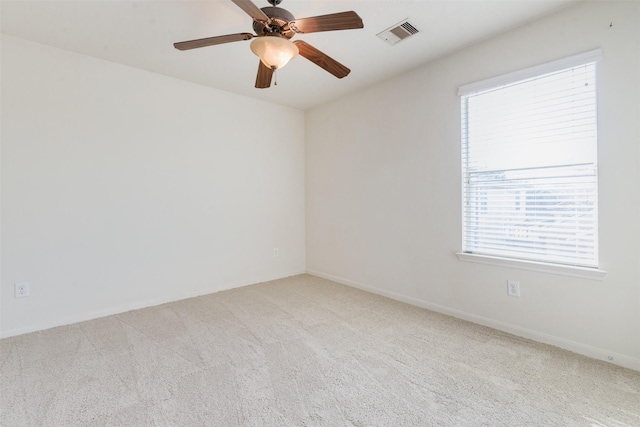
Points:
(320, 213)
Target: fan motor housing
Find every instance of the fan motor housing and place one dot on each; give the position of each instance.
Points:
(280, 19)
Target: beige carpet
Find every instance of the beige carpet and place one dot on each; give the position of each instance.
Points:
(302, 351)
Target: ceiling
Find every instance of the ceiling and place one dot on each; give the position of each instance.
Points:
(141, 33)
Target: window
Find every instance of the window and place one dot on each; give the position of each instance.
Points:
(529, 164)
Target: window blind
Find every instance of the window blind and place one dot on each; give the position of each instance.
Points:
(529, 164)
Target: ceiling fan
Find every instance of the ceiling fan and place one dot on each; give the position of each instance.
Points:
(274, 27)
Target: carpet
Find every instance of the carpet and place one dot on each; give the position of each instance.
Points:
(302, 351)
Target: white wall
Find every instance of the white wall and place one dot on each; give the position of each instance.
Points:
(123, 188)
(383, 189)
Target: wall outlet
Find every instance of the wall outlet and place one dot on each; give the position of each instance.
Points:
(513, 288)
(276, 252)
(22, 289)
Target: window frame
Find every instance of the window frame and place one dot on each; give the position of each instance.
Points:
(509, 78)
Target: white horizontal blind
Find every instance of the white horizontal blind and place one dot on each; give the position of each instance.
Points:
(529, 163)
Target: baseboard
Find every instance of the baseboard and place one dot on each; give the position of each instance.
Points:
(82, 317)
(576, 347)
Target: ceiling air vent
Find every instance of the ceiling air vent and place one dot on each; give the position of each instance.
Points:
(398, 32)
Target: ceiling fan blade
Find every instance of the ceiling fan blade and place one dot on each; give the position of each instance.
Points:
(334, 21)
(322, 60)
(263, 79)
(210, 41)
(251, 9)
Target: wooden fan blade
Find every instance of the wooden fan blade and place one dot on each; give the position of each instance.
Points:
(334, 21)
(322, 60)
(263, 79)
(210, 41)
(251, 9)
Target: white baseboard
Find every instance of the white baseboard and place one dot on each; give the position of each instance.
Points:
(82, 317)
(576, 347)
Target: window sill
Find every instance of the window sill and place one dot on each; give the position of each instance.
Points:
(564, 270)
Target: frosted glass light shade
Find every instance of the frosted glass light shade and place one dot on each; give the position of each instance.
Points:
(274, 52)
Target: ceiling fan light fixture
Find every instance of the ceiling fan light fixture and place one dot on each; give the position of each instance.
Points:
(274, 27)
(274, 51)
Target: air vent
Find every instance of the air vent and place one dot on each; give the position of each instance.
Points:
(401, 31)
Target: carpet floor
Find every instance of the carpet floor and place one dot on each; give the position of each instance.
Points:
(302, 351)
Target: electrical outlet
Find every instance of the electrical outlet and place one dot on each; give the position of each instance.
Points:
(22, 289)
(513, 288)
(276, 252)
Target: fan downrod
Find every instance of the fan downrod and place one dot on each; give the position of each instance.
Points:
(275, 2)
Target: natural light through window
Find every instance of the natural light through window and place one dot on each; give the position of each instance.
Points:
(529, 165)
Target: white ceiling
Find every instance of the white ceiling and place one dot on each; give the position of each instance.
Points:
(140, 34)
